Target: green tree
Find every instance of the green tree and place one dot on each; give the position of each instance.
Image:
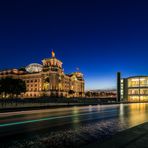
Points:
(11, 87)
(71, 92)
(6, 86)
(22, 69)
(88, 94)
(19, 87)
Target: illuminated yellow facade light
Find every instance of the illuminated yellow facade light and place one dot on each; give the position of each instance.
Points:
(134, 79)
(53, 54)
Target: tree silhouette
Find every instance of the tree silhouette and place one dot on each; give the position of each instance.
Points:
(12, 87)
(88, 94)
(71, 92)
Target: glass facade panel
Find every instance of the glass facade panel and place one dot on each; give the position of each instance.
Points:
(133, 98)
(143, 98)
(133, 91)
(144, 82)
(122, 88)
(134, 82)
(144, 91)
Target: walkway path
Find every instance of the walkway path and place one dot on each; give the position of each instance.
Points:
(136, 137)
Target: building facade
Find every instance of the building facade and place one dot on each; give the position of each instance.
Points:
(133, 89)
(48, 79)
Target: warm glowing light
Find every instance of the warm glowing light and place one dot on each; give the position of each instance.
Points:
(34, 67)
(135, 80)
(142, 79)
(53, 54)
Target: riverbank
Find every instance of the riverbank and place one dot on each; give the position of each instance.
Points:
(12, 107)
(38, 106)
(7, 105)
(136, 137)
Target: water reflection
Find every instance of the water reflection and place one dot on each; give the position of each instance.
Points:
(75, 118)
(90, 108)
(102, 121)
(138, 113)
(121, 110)
(127, 115)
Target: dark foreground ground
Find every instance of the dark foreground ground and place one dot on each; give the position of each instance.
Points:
(136, 137)
(68, 127)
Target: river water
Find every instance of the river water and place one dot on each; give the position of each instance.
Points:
(79, 126)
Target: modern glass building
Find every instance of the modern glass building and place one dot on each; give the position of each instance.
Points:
(133, 89)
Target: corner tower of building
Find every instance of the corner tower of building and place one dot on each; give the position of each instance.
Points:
(52, 63)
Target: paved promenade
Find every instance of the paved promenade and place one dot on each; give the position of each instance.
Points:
(136, 137)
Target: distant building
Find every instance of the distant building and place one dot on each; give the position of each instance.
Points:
(133, 89)
(112, 93)
(48, 79)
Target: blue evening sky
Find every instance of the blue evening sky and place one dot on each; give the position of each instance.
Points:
(100, 37)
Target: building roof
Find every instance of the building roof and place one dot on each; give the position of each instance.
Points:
(137, 76)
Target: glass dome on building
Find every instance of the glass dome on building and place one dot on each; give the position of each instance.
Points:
(34, 67)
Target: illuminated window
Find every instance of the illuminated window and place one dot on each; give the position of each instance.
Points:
(134, 82)
(144, 81)
(143, 98)
(133, 98)
(133, 91)
(144, 91)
